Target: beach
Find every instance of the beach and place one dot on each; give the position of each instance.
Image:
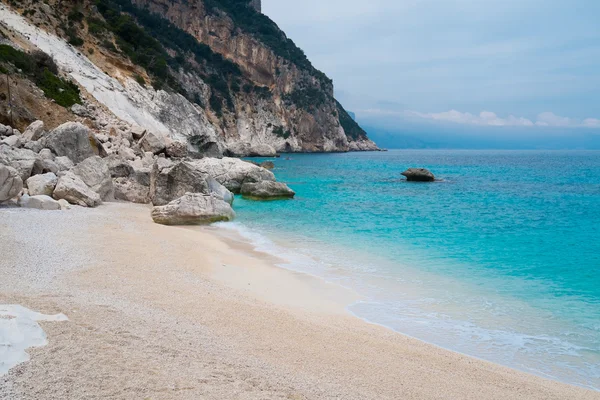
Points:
(160, 312)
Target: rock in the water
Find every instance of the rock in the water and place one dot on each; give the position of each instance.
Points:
(94, 172)
(193, 209)
(39, 202)
(262, 150)
(129, 189)
(64, 163)
(418, 175)
(153, 142)
(72, 140)
(267, 190)
(232, 172)
(267, 165)
(71, 188)
(10, 183)
(25, 161)
(43, 184)
(34, 131)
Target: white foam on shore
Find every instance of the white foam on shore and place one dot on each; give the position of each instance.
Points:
(437, 310)
(19, 330)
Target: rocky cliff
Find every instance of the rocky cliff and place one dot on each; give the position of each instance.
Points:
(216, 75)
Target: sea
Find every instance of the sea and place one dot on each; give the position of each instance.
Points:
(499, 259)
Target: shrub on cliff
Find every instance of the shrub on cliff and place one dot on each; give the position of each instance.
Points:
(42, 70)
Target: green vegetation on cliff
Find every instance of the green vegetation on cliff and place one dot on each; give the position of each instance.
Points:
(352, 129)
(145, 37)
(42, 70)
(266, 31)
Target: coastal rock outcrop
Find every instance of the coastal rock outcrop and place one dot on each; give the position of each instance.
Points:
(233, 172)
(418, 175)
(11, 183)
(71, 188)
(267, 190)
(42, 184)
(193, 209)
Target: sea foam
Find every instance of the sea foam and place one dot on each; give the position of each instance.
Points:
(19, 330)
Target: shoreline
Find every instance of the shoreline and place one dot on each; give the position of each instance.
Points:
(229, 234)
(146, 302)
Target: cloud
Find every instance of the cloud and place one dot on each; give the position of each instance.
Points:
(488, 118)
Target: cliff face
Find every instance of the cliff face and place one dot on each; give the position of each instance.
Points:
(301, 103)
(223, 76)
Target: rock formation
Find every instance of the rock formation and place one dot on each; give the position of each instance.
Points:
(193, 209)
(267, 190)
(418, 175)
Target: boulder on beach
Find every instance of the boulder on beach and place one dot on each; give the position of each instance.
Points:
(10, 183)
(26, 162)
(418, 175)
(39, 202)
(267, 190)
(42, 184)
(94, 172)
(71, 188)
(193, 209)
(72, 140)
(233, 172)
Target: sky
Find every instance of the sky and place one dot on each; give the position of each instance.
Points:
(527, 65)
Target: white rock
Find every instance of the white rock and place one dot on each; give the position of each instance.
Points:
(11, 183)
(193, 209)
(46, 154)
(153, 142)
(71, 188)
(42, 184)
(64, 163)
(34, 131)
(94, 172)
(64, 205)
(39, 202)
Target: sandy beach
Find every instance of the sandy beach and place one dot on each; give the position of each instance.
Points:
(161, 312)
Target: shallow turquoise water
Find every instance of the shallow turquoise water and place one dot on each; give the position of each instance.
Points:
(500, 260)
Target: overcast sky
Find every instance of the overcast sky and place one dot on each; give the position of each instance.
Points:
(478, 62)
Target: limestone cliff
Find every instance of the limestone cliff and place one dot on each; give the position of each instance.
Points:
(223, 76)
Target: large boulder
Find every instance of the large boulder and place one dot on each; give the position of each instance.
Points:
(418, 175)
(94, 172)
(39, 202)
(193, 209)
(232, 172)
(267, 190)
(13, 141)
(64, 163)
(129, 189)
(71, 188)
(10, 183)
(34, 131)
(153, 142)
(171, 180)
(73, 140)
(43, 184)
(26, 162)
(118, 166)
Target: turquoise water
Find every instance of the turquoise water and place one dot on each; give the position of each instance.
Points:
(499, 260)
